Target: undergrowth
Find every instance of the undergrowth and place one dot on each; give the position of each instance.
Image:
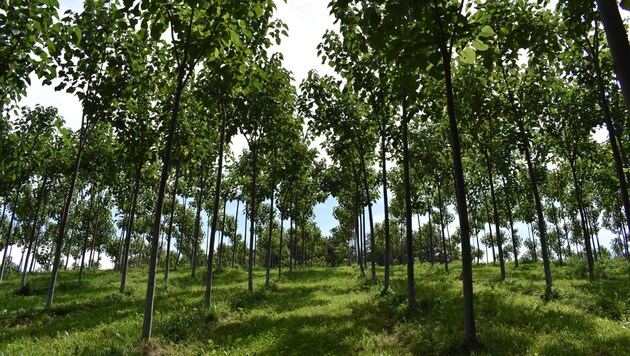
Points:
(324, 311)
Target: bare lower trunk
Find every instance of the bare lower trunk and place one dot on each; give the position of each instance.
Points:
(167, 263)
(215, 212)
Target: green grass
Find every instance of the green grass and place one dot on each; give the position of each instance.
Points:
(323, 311)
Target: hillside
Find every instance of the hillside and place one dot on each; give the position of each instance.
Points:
(324, 311)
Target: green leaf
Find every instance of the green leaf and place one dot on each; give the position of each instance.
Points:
(486, 31)
(479, 46)
(625, 4)
(77, 32)
(236, 40)
(468, 55)
(258, 10)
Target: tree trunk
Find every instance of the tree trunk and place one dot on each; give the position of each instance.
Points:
(539, 211)
(610, 6)
(271, 216)
(485, 203)
(495, 207)
(166, 166)
(37, 235)
(291, 239)
(198, 222)
(559, 240)
(358, 237)
(587, 242)
(220, 250)
(132, 213)
(511, 221)
(215, 210)
(430, 222)
(10, 228)
(618, 43)
(385, 206)
(460, 193)
(444, 254)
(252, 221)
(40, 198)
(245, 238)
(238, 202)
(371, 219)
(87, 233)
(566, 236)
(280, 249)
(167, 263)
(94, 236)
(66, 210)
(419, 238)
(411, 287)
(304, 241)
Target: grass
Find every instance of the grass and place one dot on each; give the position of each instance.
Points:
(323, 311)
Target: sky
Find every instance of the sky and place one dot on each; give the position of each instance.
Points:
(307, 20)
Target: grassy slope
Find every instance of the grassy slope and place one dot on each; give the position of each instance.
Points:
(324, 311)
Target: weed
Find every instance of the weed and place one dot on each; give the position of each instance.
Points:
(25, 290)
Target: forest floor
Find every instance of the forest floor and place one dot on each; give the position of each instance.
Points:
(319, 311)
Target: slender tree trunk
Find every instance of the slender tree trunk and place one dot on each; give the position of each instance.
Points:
(66, 210)
(10, 228)
(291, 239)
(252, 222)
(591, 232)
(215, 210)
(132, 214)
(94, 236)
(304, 241)
(358, 237)
(37, 237)
(429, 208)
(170, 228)
(385, 206)
(370, 216)
(245, 238)
(411, 287)
(19, 269)
(539, 211)
(444, 254)
(587, 242)
(485, 203)
(238, 202)
(566, 236)
(419, 238)
(280, 250)
(511, 221)
(271, 216)
(460, 192)
(198, 222)
(559, 239)
(35, 228)
(4, 207)
(166, 166)
(87, 233)
(220, 250)
(495, 207)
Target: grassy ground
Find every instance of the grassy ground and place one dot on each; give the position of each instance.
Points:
(323, 311)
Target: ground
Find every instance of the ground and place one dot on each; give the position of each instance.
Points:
(323, 311)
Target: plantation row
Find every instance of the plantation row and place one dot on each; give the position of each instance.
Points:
(500, 98)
